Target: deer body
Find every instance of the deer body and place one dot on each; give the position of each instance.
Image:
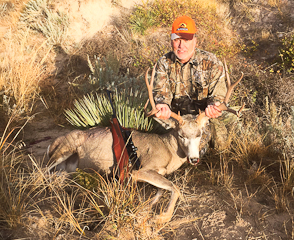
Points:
(94, 150)
(159, 154)
(162, 153)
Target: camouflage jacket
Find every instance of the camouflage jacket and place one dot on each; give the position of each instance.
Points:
(191, 86)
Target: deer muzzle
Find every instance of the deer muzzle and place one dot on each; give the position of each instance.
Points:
(193, 161)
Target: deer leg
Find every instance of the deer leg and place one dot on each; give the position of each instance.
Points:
(157, 180)
(157, 196)
(60, 163)
(71, 163)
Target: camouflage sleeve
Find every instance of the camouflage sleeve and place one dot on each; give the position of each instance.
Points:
(162, 90)
(217, 88)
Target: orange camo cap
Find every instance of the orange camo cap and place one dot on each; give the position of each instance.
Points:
(183, 27)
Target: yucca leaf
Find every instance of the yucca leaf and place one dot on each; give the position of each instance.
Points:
(95, 109)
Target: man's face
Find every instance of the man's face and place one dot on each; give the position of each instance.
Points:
(183, 48)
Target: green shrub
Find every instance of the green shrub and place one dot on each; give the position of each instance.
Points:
(277, 128)
(105, 74)
(141, 20)
(287, 53)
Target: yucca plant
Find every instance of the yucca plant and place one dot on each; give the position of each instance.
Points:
(38, 16)
(128, 98)
(106, 75)
(95, 109)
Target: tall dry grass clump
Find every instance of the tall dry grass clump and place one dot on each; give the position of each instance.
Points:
(17, 187)
(21, 70)
(52, 24)
(122, 206)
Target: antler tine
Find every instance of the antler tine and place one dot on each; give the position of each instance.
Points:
(223, 106)
(227, 73)
(151, 99)
(200, 116)
(150, 94)
(177, 117)
(230, 86)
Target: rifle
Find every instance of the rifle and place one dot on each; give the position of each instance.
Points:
(124, 149)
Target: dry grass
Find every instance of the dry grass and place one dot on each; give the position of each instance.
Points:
(48, 206)
(247, 145)
(21, 71)
(11, 9)
(257, 166)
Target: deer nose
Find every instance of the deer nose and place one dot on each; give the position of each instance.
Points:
(193, 161)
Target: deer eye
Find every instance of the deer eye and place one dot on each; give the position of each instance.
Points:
(181, 137)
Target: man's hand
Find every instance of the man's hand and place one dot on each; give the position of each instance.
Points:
(164, 111)
(212, 111)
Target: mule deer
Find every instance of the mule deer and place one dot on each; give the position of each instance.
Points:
(159, 154)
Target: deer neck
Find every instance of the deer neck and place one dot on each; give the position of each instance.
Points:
(171, 141)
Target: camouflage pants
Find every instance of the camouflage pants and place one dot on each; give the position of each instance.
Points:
(220, 128)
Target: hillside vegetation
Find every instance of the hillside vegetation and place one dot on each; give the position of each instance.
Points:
(56, 60)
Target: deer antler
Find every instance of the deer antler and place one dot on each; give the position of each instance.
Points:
(223, 106)
(150, 94)
(151, 99)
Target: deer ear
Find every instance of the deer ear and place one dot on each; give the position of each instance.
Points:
(167, 124)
